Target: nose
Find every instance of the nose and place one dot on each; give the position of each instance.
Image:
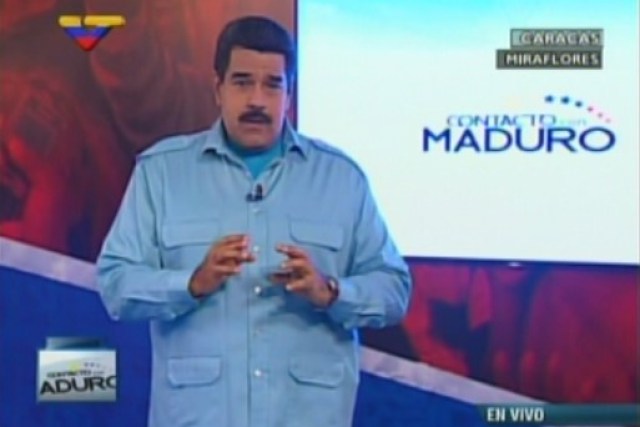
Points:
(257, 97)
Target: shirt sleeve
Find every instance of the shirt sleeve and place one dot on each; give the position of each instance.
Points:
(131, 281)
(377, 288)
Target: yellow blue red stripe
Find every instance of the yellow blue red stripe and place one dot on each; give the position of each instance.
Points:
(88, 30)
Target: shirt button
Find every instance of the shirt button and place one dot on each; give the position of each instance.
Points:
(256, 249)
(257, 373)
(257, 210)
(257, 290)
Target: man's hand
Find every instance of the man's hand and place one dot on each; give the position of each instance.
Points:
(300, 276)
(223, 260)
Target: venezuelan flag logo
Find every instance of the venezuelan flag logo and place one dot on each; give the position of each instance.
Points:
(88, 30)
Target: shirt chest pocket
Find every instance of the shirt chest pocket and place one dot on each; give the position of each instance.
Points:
(185, 244)
(324, 242)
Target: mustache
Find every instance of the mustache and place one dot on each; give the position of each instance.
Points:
(255, 116)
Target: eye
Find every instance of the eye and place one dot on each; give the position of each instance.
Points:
(274, 85)
(242, 83)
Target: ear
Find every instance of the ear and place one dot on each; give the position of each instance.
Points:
(217, 83)
(289, 97)
(287, 101)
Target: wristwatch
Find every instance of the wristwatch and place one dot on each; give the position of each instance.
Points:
(334, 288)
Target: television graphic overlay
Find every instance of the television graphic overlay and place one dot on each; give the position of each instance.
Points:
(88, 30)
(560, 415)
(470, 161)
(76, 370)
(563, 48)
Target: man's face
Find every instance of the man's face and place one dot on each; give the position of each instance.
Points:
(253, 97)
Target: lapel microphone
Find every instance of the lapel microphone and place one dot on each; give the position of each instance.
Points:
(256, 194)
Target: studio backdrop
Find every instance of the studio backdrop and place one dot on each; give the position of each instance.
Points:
(507, 174)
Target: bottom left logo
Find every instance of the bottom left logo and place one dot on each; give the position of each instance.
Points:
(72, 369)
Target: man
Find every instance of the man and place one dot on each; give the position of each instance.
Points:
(256, 253)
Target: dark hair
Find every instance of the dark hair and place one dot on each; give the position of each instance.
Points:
(255, 33)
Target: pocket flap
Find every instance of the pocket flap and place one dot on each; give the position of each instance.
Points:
(190, 371)
(328, 235)
(326, 374)
(186, 233)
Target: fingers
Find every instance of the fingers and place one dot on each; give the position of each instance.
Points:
(296, 274)
(301, 285)
(233, 254)
(296, 270)
(236, 241)
(281, 278)
(226, 269)
(292, 283)
(300, 266)
(291, 251)
(232, 248)
(234, 238)
(228, 253)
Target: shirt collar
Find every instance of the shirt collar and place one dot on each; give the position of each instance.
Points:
(215, 140)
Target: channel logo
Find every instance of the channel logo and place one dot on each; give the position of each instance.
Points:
(562, 124)
(76, 370)
(88, 30)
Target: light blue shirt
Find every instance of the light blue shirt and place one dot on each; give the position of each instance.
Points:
(250, 354)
